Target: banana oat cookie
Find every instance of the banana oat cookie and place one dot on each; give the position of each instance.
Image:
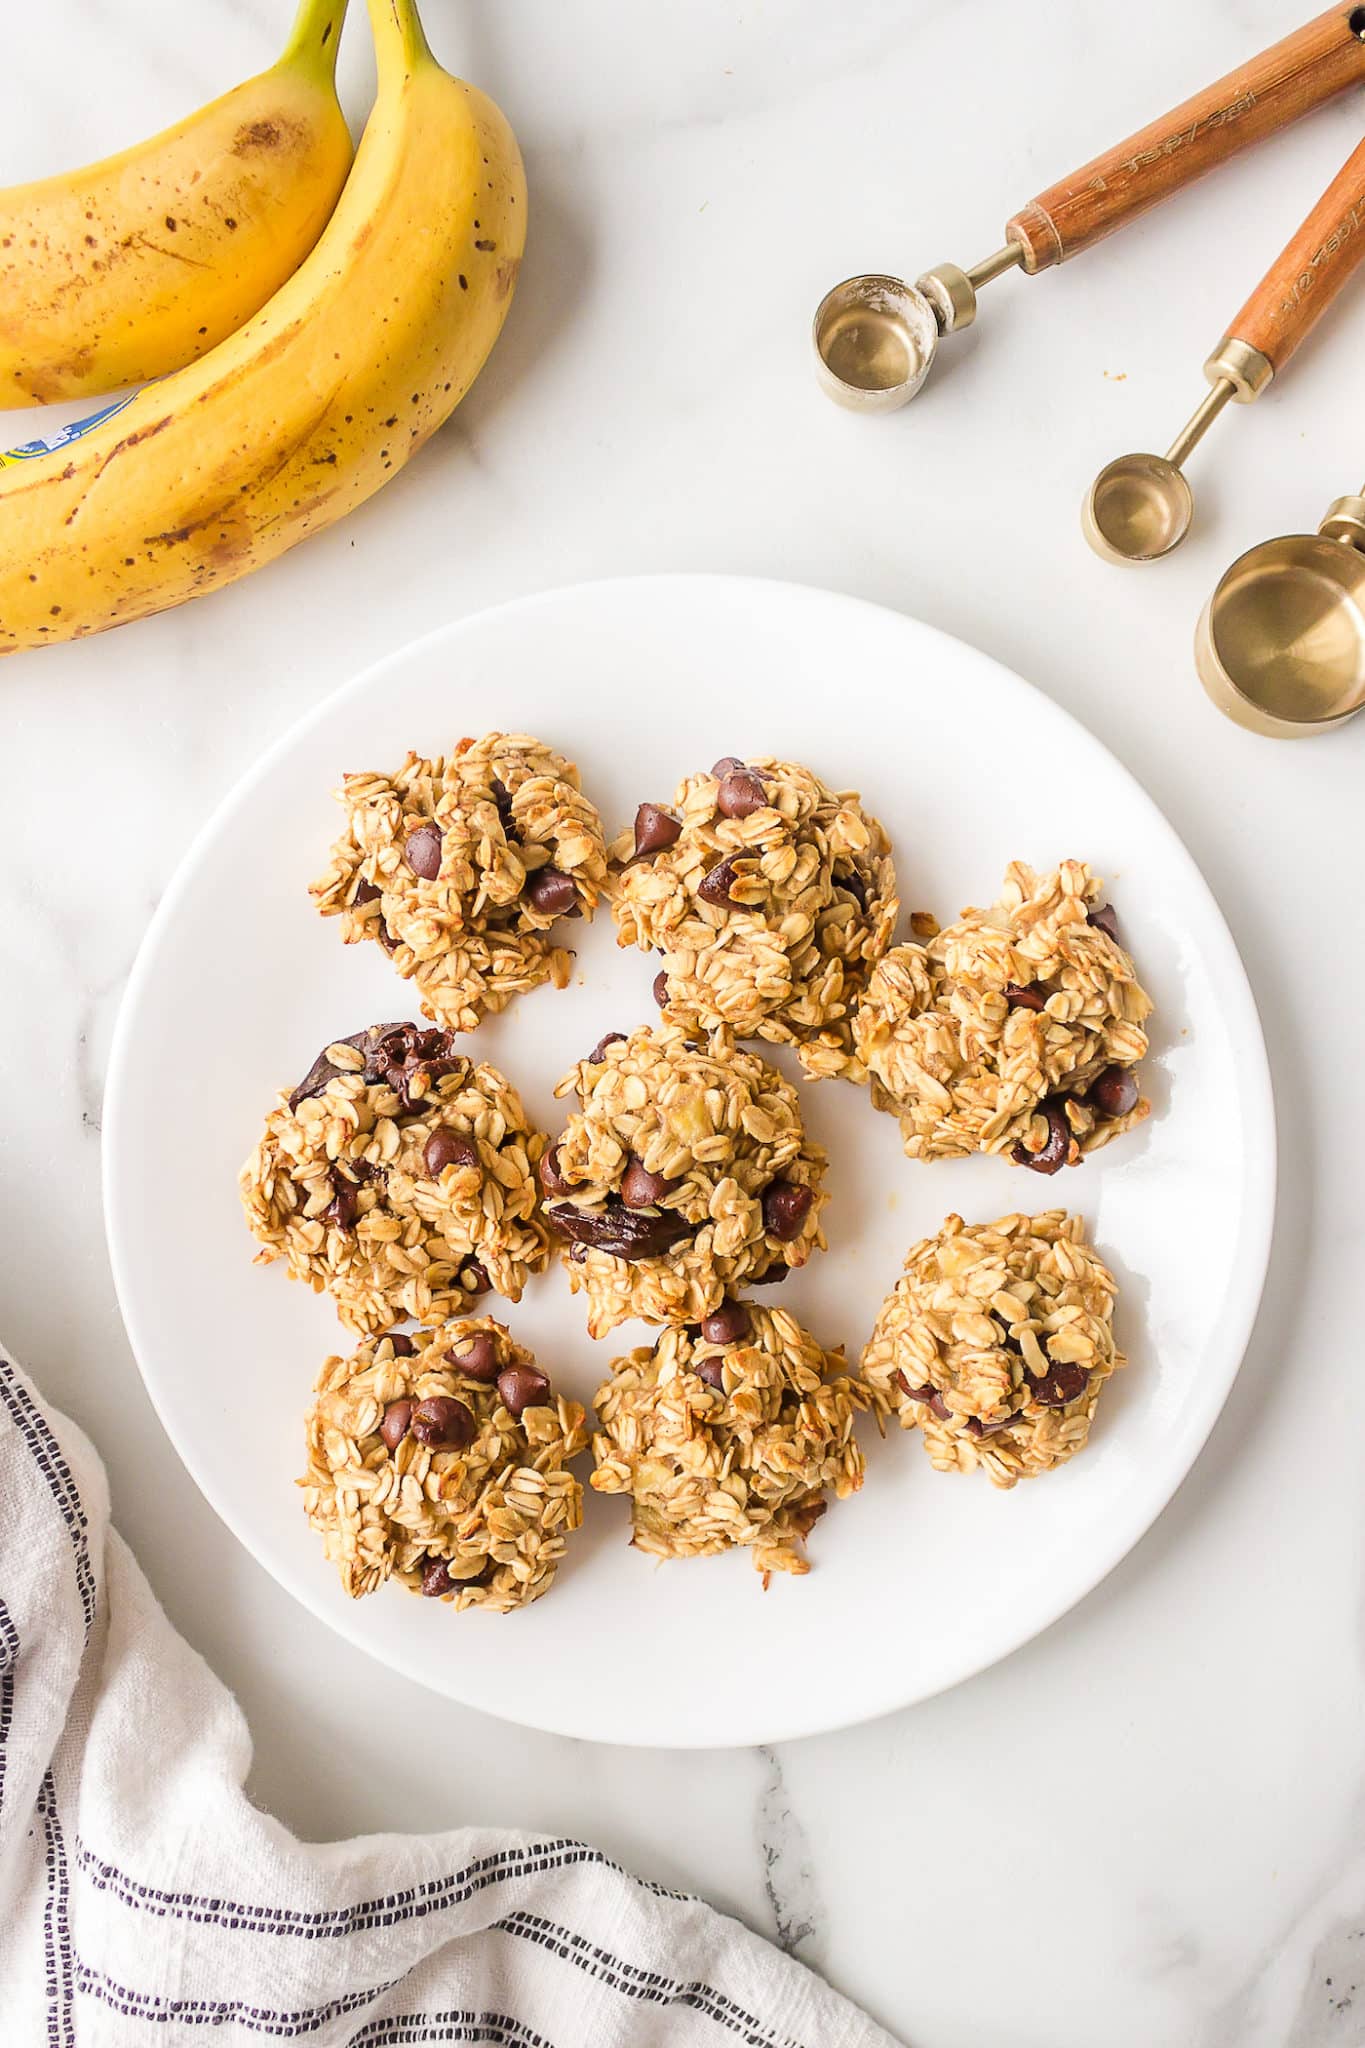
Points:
(769, 897)
(729, 1433)
(995, 1343)
(459, 867)
(684, 1174)
(1016, 1030)
(400, 1177)
(442, 1460)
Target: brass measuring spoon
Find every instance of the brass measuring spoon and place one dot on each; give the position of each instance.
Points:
(1140, 506)
(1281, 643)
(875, 336)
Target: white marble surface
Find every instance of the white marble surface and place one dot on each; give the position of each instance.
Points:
(1146, 1828)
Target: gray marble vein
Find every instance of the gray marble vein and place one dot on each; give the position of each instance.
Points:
(790, 1883)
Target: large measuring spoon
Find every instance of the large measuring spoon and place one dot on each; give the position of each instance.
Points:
(1281, 643)
(1140, 506)
(875, 336)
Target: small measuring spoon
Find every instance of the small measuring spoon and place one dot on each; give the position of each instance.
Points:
(875, 336)
(1140, 506)
(1280, 646)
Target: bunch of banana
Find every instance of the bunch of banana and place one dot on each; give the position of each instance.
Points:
(312, 404)
(131, 267)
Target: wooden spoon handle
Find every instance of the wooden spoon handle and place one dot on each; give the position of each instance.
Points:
(1303, 281)
(1265, 94)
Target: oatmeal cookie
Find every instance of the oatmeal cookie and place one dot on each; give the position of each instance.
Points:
(729, 1433)
(442, 1460)
(459, 867)
(995, 1342)
(400, 1177)
(770, 898)
(1015, 1030)
(684, 1174)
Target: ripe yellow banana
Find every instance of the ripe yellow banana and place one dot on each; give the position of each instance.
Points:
(311, 405)
(134, 266)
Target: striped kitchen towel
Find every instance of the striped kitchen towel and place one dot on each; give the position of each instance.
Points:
(144, 1899)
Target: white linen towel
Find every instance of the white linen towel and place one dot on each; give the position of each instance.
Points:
(144, 1899)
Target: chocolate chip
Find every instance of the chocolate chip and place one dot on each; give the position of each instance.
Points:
(1054, 1153)
(712, 1370)
(394, 1426)
(1106, 919)
(728, 1324)
(1114, 1092)
(315, 1080)
(807, 1513)
(521, 1387)
(625, 1233)
(476, 1356)
(447, 1148)
(728, 764)
(578, 1252)
(716, 883)
(641, 1189)
(473, 1278)
(773, 1277)
(409, 1059)
(504, 804)
(443, 1422)
(366, 892)
(854, 885)
(930, 1396)
(550, 892)
(785, 1208)
(661, 988)
(741, 793)
(322, 1071)
(599, 1051)
(551, 1179)
(976, 1427)
(341, 1210)
(654, 830)
(422, 852)
(1025, 996)
(1060, 1384)
(403, 1346)
(436, 1579)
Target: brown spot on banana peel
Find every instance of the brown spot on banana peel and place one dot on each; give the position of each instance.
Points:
(306, 507)
(40, 483)
(42, 387)
(226, 552)
(160, 249)
(226, 508)
(129, 441)
(262, 135)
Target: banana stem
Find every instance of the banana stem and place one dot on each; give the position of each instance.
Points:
(315, 37)
(399, 39)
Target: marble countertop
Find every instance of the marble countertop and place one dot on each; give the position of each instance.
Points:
(1146, 1827)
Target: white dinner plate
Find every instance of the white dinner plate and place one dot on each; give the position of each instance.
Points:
(922, 1578)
